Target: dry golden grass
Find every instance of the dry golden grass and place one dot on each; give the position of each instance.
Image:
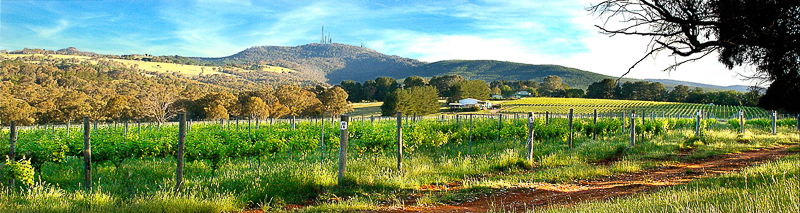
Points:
(160, 66)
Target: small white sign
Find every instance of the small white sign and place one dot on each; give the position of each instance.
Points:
(343, 125)
(530, 119)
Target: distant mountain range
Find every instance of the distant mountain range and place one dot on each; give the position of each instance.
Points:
(740, 88)
(333, 63)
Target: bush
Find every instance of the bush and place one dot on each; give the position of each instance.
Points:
(20, 170)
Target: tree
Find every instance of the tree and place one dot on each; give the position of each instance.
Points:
(444, 83)
(368, 91)
(73, 104)
(678, 94)
(573, 93)
(384, 86)
(255, 108)
(506, 91)
(16, 110)
(295, 99)
(763, 33)
(334, 101)
(157, 100)
(551, 85)
(496, 91)
(416, 100)
(216, 103)
(603, 89)
(116, 106)
(476, 89)
(216, 112)
(414, 81)
(354, 91)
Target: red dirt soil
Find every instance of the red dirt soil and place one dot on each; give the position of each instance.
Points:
(542, 195)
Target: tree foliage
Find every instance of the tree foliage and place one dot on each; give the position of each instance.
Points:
(421, 100)
(762, 33)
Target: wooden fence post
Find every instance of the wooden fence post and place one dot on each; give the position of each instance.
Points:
(249, 130)
(294, 122)
(547, 117)
(181, 139)
(87, 154)
(322, 140)
(798, 125)
(633, 127)
(469, 152)
(399, 143)
(697, 124)
(531, 119)
(741, 122)
(345, 120)
(500, 121)
(12, 146)
(571, 133)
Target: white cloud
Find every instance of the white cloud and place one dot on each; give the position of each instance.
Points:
(47, 32)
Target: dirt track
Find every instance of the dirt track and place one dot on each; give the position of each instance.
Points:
(546, 195)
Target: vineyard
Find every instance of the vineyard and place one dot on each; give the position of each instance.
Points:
(234, 166)
(607, 106)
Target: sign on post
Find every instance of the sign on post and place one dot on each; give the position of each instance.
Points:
(531, 119)
(343, 149)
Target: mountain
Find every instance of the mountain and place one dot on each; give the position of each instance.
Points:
(490, 70)
(329, 63)
(739, 88)
(74, 51)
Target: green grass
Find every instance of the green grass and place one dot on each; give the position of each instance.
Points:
(273, 181)
(770, 187)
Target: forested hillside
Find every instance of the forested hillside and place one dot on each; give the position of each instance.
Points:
(55, 90)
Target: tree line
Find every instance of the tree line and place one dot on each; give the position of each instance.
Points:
(654, 91)
(419, 95)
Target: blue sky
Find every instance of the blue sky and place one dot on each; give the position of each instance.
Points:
(537, 32)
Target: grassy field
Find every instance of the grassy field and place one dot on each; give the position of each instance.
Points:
(586, 106)
(770, 187)
(161, 67)
(281, 180)
(374, 108)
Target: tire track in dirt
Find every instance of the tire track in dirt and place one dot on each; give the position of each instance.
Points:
(540, 195)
